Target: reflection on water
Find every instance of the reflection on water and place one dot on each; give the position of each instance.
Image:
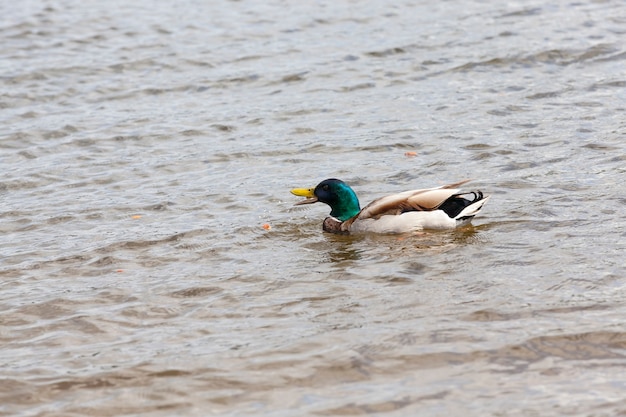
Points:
(342, 250)
(152, 262)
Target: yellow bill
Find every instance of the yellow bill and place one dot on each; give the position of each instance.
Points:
(305, 192)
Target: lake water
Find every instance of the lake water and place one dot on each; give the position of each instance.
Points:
(145, 144)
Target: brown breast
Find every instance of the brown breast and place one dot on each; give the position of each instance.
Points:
(333, 225)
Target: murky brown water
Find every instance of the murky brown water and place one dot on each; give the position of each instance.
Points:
(145, 144)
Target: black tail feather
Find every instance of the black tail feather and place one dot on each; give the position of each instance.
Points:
(455, 204)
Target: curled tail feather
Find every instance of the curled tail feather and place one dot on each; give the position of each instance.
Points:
(464, 206)
(473, 208)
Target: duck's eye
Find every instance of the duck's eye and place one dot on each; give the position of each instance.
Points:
(325, 187)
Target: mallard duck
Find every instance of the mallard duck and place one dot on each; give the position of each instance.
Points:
(444, 207)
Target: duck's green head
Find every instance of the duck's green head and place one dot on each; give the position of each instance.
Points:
(337, 194)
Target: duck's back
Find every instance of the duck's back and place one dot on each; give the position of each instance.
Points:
(443, 207)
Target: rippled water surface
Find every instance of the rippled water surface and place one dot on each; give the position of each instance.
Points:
(145, 144)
